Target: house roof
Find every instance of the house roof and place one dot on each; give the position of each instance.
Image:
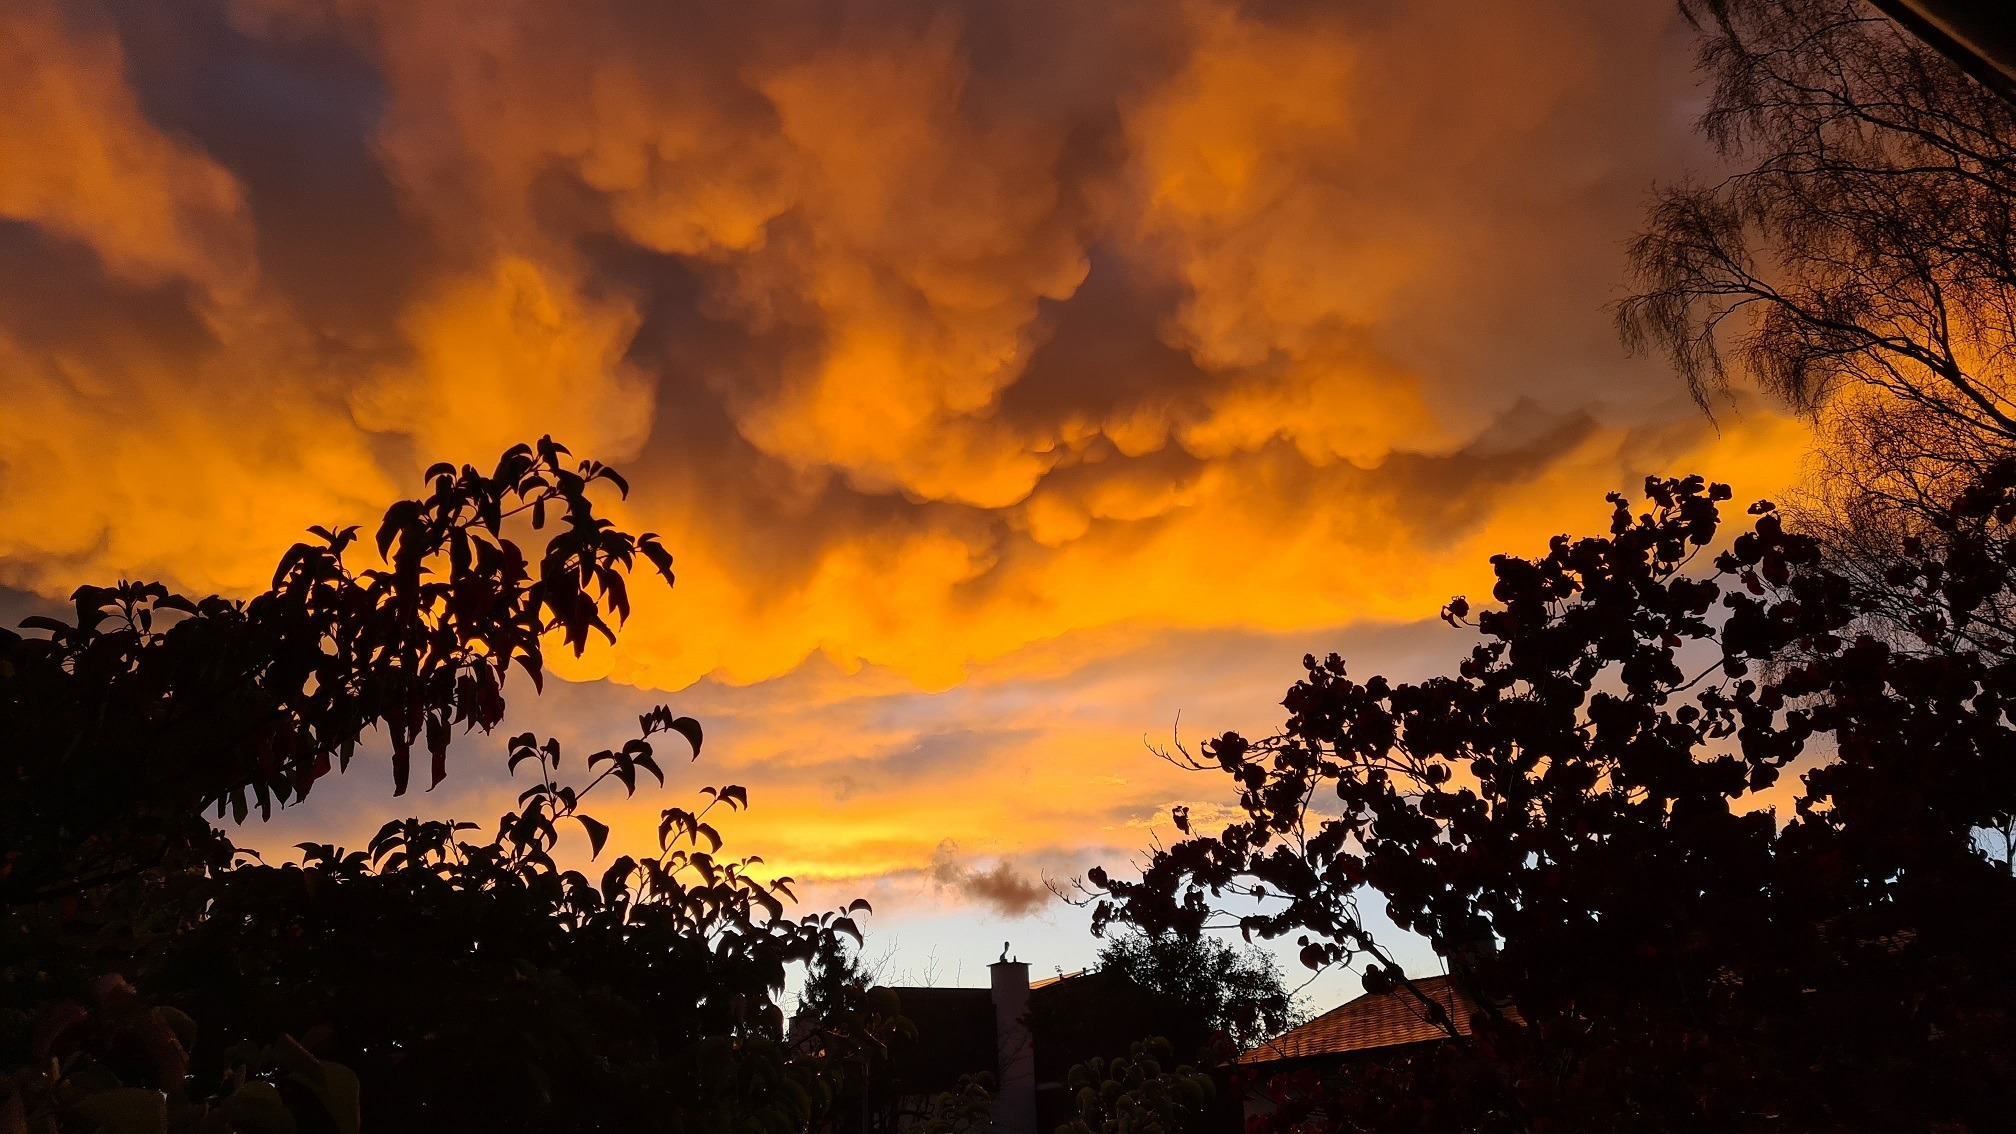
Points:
(955, 1036)
(1374, 1020)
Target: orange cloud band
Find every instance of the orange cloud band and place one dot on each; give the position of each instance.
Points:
(952, 348)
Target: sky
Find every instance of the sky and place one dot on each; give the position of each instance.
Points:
(1018, 386)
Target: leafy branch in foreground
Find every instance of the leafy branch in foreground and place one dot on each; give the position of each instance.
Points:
(1703, 843)
(127, 722)
(468, 984)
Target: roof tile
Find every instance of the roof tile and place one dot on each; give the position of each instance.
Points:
(1387, 1019)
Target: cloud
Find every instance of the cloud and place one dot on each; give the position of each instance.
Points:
(957, 350)
(1001, 887)
(86, 164)
(507, 354)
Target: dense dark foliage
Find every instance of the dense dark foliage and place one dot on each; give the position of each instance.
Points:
(1200, 999)
(1144, 1091)
(1717, 837)
(854, 1027)
(157, 979)
(1194, 991)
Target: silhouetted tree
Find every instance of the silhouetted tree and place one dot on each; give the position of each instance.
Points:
(1719, 846)
(1201, 999)
(127, 722)
(1860, 260)
(1203, 985)
(850, 1025)
(156, 979)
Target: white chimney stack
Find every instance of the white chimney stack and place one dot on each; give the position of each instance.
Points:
(1015, 1104)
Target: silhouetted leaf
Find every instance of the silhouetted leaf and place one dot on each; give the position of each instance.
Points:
(690, 729)
(598, 833)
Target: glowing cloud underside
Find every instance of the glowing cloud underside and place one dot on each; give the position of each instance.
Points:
(952, 347)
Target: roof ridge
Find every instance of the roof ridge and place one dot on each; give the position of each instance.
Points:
(1367, 1021)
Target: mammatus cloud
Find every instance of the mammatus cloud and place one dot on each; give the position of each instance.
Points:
(955, 348)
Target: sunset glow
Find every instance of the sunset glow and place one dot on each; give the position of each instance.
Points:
(1006, 379)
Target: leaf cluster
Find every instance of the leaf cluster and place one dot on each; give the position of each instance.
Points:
(1142, 1092)
(144, 709)
(1587, 818)
(1204, 990)
(468, 983)
(120, 1063)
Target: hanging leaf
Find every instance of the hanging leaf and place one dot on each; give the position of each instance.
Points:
(690, 729)
(598, 834)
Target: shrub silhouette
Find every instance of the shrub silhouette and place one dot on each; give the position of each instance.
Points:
(158, 978)
(1587, 817)
(1139, 1093)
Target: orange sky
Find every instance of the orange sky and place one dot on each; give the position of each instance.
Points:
(1006, 378)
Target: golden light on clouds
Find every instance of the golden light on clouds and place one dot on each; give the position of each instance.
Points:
(84, 163)
(959, 352)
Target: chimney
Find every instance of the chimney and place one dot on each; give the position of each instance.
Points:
(1015, 1049)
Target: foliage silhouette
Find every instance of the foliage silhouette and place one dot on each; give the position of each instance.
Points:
(1195, 993)
(126, 723)
(119, 1063)
(1861, 260)
(967, 1107)
(1588, 819)
(853, 1025)
(1139, 1093)
(469, 985)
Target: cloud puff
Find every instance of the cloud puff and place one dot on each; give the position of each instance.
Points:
(1001, 887)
